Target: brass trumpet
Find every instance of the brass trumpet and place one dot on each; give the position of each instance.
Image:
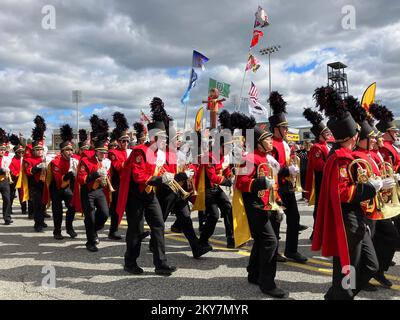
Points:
(177, 188)
(387, 171)
(295, 179)
(377, 208)
(105, 180)
(271, 198)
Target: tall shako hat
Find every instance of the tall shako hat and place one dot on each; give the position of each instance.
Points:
(160, 118)
(38, 133)
(384, 116)
(121, 126)
(316, 120)
(67, 136)
(341, 123)
(3, 139)
(16, 142)
(83, 138)
(243, 122)
(360, 115)
(278, 106)
(140, 130)
(99, 134)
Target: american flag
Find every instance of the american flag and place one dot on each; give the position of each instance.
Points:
(253, 93)
(255, 108)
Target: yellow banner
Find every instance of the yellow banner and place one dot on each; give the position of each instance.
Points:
(369, 96)
(199, 120)
(293, 137)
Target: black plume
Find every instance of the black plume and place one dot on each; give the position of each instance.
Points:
(330, 102)
(358, 113)
(114, 135)
(225, 120)
(139, 128)
(40, 128)
(381, 113)
(277, 103)
(99, 128)
(120, 122)
(158, 112)
(66, 133)
(313, 117)
(14, 139)
(93, 120)
(83, 136)
(319, 97)
(243, 122)
(3, 136)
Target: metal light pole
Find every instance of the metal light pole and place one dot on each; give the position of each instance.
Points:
(269, 50)
(77, 97)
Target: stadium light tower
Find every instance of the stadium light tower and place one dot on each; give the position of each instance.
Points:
(76, 98)
(269, 51)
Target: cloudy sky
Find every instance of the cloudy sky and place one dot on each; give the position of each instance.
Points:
(123, 53)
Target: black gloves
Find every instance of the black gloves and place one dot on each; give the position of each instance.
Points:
(92, 177)
(179, 177)
(68, 176)
(226, 183)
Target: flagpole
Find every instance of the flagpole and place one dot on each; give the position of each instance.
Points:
(241, 89)
(186, 112)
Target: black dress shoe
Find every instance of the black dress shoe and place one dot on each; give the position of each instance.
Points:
(96, 239)
(72, 233)
(298, 257)
(230, 243)
(91, 247)
(7, 222)
(44, 225)
(165, 270)
(47, 216)
(370, 288)
(383, 281)
(58, 236)
(392, 263)
(302, 228)
(280, 258)
(38, 228)
(134, 270)
(114, 236)
(200, 251)
(275, 293)
(144, 235)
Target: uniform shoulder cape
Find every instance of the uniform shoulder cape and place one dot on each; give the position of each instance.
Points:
(329, 232)
(310, 179)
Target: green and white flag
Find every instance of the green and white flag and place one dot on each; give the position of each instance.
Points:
(223, 88)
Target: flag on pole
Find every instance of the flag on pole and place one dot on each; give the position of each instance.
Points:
(223, 88)
(257, 34)
(192, 84)
(252, 63)
(262, 20)
(255, 108)
(199, 120)
(369, 96)
(143, 117)
(199, 60)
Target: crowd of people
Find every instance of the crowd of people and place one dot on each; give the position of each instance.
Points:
(349, 174)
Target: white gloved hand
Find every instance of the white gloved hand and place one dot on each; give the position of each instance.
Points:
(388, 183)
(167, 177)
(377, 183)
(102, 172)
(41, 165)
(397, 177)
(270, 182)
(293, 170)
(189, 173)
(274, 164)
(6, 170)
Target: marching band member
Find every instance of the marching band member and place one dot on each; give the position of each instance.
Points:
(34, 169)
(317, 158)
(5, 178)
(288, 172)
(138, 196)
(15, 170)
(60, 184)
(389, 152)
(216, 175)
(256, 183)
(118, 157)
(340, 230)
(93, 187)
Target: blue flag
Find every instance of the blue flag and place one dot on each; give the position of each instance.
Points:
(192, 84)
(199, 60)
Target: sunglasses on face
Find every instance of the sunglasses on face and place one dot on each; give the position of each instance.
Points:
(124, 141)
